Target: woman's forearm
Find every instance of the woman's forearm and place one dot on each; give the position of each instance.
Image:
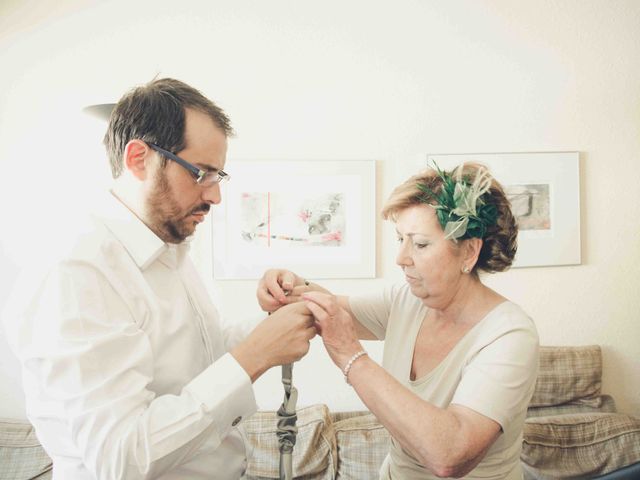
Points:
(434, 436)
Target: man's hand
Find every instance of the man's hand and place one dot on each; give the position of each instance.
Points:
(281, 338)
(279, 287)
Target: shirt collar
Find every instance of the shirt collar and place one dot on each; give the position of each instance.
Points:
(141, 243)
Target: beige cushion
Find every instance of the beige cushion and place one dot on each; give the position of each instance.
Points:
(608, 405)
(363, 443)
(569, 374)
(580, 445)
(21, 455)
(314, 454)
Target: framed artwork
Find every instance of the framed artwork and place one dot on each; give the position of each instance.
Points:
(544, 190)
(316, 218)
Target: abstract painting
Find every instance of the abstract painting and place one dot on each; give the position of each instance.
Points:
(316, 218)
(531, 205)
(274, 219)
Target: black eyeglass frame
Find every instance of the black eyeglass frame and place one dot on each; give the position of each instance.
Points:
(200, 175)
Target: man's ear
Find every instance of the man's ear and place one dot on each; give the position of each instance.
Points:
(136, 158)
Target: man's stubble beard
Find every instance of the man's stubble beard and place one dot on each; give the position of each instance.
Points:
(164, 214)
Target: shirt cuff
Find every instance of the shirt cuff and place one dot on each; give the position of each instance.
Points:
(226, 393)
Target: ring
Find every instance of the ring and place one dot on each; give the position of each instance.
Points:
(306, 283)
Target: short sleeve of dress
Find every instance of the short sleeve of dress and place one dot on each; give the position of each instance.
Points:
(373, 310)
(499, 379)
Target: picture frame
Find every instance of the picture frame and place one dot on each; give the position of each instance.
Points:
(316, 218)
(544, 190)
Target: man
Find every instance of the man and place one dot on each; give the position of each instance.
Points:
(128, 370)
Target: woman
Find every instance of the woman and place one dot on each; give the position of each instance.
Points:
(460, 360)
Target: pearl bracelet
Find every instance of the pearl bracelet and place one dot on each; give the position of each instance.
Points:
(345, 372)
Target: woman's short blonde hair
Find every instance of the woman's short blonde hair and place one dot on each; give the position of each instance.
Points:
(499, 243)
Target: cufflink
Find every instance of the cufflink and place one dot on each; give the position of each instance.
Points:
(236, 421)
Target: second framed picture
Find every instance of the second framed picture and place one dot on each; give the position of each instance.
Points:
(544, 191)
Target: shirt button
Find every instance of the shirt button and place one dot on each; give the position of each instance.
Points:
(236, 421)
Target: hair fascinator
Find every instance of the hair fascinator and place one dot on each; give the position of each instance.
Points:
(463, 209)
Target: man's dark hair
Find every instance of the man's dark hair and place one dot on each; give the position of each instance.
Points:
(155, 113)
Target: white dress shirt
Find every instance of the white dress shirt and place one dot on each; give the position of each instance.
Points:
(125, 363)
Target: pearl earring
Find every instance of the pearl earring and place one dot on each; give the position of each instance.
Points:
(465, 269)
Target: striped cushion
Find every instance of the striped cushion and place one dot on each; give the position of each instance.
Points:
(314, 454)
(363, 443)
(608, 406)
(579, 445)
(21, 455)
(569, 374)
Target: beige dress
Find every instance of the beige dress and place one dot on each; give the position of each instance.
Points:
(491, 370)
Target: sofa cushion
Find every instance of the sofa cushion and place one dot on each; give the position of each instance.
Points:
(579, 445)
(362, 443)
(21, 455)
(607, 405)
(314, 454)
(569, 375)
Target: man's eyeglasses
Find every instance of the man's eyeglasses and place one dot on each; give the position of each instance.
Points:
(203, 177)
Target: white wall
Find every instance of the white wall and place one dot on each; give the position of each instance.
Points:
(388, 81)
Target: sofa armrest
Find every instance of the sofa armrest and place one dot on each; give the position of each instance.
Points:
(579, 445)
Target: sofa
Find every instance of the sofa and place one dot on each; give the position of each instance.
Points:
(572, 431)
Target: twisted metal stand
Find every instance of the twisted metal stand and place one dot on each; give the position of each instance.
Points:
(287, 428)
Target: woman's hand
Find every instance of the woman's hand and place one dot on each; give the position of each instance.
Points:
(279, 287)
(335, 325)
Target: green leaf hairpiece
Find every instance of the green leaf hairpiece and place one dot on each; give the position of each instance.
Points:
(462, 208)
